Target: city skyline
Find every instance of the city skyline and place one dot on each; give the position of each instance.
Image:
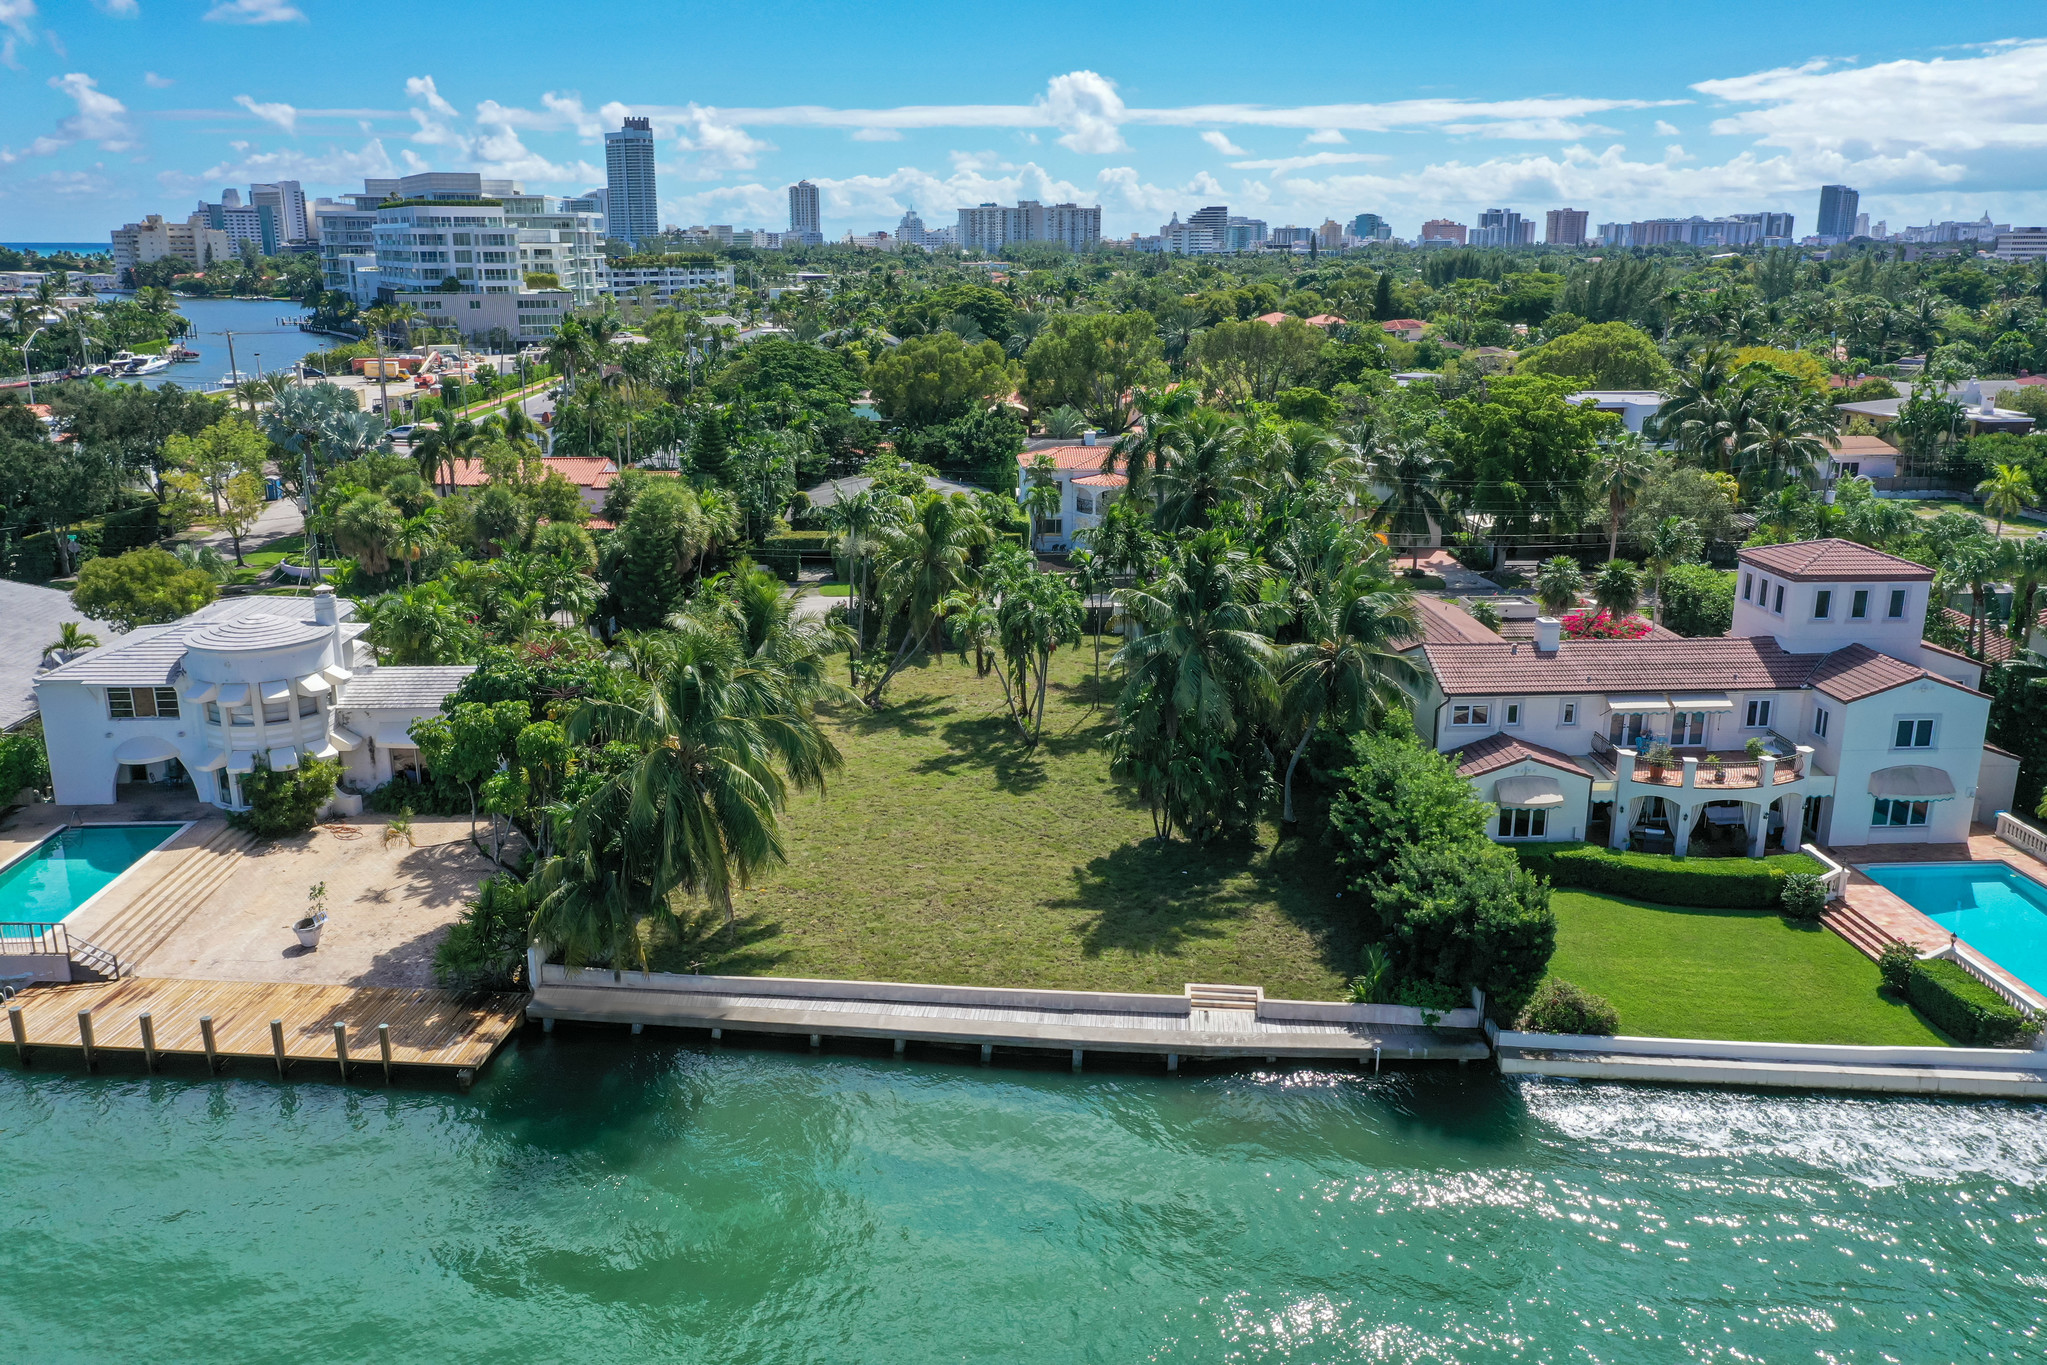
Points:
(138, 107)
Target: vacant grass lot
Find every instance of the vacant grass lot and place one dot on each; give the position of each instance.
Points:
(1749, 974)
(946, 852)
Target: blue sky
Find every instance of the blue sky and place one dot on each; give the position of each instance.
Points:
(115, 108)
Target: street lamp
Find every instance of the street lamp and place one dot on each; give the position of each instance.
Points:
(28, 370)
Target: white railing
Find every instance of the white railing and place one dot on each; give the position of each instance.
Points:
(2021, 835)
(1978, 966)
(1836, 875)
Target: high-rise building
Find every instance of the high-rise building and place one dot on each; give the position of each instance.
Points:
(1443, 230)
(1838, 205)
(597, 201)
(631, 210)
(910, 228)
(256, 224)
(194, 241)
(287, 200)
(806, 224)
(1370, 227)
(1565, 227)
(1243, 234)
(1502, 227)
(990, 227)
(2022, 244)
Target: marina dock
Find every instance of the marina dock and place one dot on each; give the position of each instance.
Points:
(271, 1023)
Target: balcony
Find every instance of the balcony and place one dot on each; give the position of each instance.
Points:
(1736, 769)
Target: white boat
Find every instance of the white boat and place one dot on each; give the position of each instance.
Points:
(226, 381)
(150, 364)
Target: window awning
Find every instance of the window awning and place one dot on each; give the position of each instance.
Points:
(394, 737)
(1528, 791)
(200, 693)
(346, 738)
(242, 761)
(1702, 701)
(1643, 701)
(283, 758)
(313, 685)
(327, 751)
(1912, 782)
(276, 691)
(214, 763)
(234, 694)
(336, 675)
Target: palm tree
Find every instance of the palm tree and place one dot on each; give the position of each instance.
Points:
(1617, 588)
(415, 537)
(1142, 450)
(1788, 437)
(718, 746)
(72, 638)
(921, 562)
(1558, 583)
(421, 625)
(1204, 469)
(1409, 469)
(1347, 663)
(1090, 580)
(2029, 571)
(446, 447)
(2006, 493)
(859, 520)
(1971, 563)
(1619, 474)
(376, 321)
(1674, 541)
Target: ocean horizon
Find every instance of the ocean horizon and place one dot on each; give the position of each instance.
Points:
(52, 248)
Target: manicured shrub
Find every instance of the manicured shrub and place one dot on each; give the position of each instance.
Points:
(1895, 965)
(23, 761)
(1720, 883)
(285, 802)
(485, 949)
(1964, 1008)
(1804, 896)
(1397, 794)
(1560, 1007)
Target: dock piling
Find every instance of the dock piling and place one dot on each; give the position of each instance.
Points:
(19, 1028)
(206, 1039)
(341, 1047)
(384, 1047)
(1172, 1061)
(901, 1043)
(547, 1024)
(987, 1053)
(277, 1045)
(1375, 1059)
(639, 1029)
(85, 1036)
(1076, 1058)
(717, 1034)
(816, 1040)
(148, 1027)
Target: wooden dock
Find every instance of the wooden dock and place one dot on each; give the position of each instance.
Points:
(277, 1024)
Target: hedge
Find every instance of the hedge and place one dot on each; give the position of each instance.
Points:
(1964, 1008)
(1720, 883)
(782, 555)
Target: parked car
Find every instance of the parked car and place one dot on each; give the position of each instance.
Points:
(403, 433)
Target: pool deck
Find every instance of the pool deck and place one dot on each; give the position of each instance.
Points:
(1876, 915)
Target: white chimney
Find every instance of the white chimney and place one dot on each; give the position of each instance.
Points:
(1547, 632)
(323, 606)
(1087, 438)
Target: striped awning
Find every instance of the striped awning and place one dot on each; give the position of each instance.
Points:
(1528, 791)
(1912, 782)
(1641, 701)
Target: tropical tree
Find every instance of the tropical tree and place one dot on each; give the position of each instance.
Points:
(1971, 563)
(422, 625)
(72, 638)
(1617, 588)
(366, 527)
(1204, 469)
(2006, 493)
(1619, 474)
(1408, 472)
(1558, 584)
(922, 561)
(2029, 571)
(1673, 541)
(1347, 663)
(1037, 613)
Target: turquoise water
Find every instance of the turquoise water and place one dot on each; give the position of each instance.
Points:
(1993, 909)
(600, 1198)
(69, 869)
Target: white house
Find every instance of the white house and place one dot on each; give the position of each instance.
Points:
(202, 698)
(1085, 492)
(1868, 733)
(1633, 406)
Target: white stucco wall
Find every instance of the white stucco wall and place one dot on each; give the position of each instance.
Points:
(1866, 735)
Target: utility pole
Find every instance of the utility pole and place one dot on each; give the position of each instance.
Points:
(306, 492)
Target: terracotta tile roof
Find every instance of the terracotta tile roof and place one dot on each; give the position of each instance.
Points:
(1101, 481)
(1861, 445)
(1068, 457)
(584, 471)
(1401, 324)
(1735, 663)
(1327, 320)
(1997, 646)
(1810, 561)
(1501, 751)
(1444, 623)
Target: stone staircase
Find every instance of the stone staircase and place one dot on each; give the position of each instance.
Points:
(157, 912)
(1209, 997)
(1851, 924)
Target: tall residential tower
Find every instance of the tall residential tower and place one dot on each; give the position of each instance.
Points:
(631, 211)
(1838, 207)
(805, 223)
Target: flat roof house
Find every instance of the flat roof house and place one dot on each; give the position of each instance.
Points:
(1868, 734)
(201, 699)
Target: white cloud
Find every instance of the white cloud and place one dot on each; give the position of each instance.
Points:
(1280, 165)
(336, 166)
(1326, 135)
(423, 88)
(100, 118)
(18, 18)
(1528, 129)
(1088, 108)
(256, 12)
(1664, 129)
(283, 115)
(1990, 102)
(156, 82)
(120, 9)
(877, 135)
(1221, 142)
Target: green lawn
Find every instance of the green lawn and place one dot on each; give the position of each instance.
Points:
(1749, 974)
(945, 852)
(2020, 528)
(833, 589)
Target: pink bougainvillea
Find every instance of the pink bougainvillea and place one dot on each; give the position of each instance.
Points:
(1588, 625)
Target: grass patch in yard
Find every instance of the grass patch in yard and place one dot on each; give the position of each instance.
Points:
(833, 589)
(2014, 528)
(1742, 974)
(947, 853)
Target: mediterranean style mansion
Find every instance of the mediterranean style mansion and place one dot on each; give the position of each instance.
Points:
(1821, 715)
(202, 699)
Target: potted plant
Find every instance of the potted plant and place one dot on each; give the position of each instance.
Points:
(1713, 767)
(1754, 749)
(1661, 756)
(315, 919)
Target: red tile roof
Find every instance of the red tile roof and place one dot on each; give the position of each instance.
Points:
(584, 471)
(1861, 445)
(1101, 481)
(1997, 646)
(1444, 623)
(1736, 663)
(1818, 561)
(1401, 325)
(1502, 751)
(1068, 457)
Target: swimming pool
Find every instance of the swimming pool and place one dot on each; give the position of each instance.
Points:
(1990, 907)
(71, 867)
